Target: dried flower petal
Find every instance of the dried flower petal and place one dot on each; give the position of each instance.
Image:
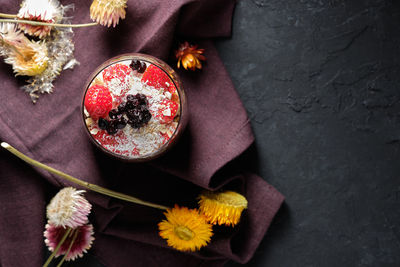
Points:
(82, 243)
(68, 208)
(42, 61)
(10, 35)
(108, 12)
(189, 56)
(222, 207)
(185, 229)
(26, 57)
(39, 10)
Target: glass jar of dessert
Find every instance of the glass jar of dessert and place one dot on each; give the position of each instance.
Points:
(134, 107)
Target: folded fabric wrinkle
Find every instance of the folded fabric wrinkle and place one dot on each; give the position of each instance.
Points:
(51, 132)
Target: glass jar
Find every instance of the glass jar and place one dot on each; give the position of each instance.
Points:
(134, 107)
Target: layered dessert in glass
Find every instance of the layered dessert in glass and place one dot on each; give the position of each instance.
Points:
(134, 107)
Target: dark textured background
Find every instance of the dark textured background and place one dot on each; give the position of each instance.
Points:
(320, 81)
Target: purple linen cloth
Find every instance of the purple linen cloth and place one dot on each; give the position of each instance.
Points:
(52, 132)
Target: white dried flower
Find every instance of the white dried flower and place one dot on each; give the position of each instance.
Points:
(39, 10)
(68, 208)
(26, 57)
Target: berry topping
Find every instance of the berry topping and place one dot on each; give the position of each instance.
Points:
(112, 128)
(133, 101)
(142, 99)
(113, 114)
(167, 112)
(122, 107)
(134, 111)
(137, 110)
(120, 123)
(119, 71)
(138, 65)
(98, 101)
(103, 124)
(156, 77)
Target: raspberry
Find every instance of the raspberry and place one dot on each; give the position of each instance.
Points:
(119, 71)
(98, 101)
(156, 77)
(167, 112)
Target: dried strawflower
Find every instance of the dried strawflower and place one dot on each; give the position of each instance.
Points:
(190, 56)
(61, 56)
(78, 241)
(43, 61)
(222, 207)
(108, 12)
(30, 59)
(26, 57)
(185, 229)
(68, 208)
(10, 35)
(39, 10)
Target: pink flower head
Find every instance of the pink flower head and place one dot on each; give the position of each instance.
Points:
(82, 243)
(42, 11)
(68, 208)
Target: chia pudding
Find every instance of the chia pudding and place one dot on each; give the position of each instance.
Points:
(132, 107)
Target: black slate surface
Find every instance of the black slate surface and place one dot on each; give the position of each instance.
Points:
(321, 82)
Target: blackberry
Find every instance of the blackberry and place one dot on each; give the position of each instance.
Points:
(136, 113)
(130, 97)
(120, 123)
(112, 129)
(142, 99)
(135, 124)
(133, 114)
(138, 65)
(139, 116)
(122, 108)
(103, 124)
(113, 114)
(131, 104)
(146, 116)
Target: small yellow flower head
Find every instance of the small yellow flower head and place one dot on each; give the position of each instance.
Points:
(222, 207)
(108, 12)
(185, 229)
(189, 56)
(42, 11)
(68, 208)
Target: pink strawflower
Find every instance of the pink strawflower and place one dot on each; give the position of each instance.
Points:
(81, 244)
(42, 11)
(68, 208)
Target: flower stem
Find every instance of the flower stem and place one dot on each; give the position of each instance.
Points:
(39, 23)
(58, 247)
(9, 16)
(69, 248)
(77, 181)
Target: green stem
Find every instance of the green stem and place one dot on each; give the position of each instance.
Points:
(58, 247)
(69, 248)
(39, 23)
(77, 181)
(9, 16)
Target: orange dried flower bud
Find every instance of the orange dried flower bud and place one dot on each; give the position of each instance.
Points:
(189, 56)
